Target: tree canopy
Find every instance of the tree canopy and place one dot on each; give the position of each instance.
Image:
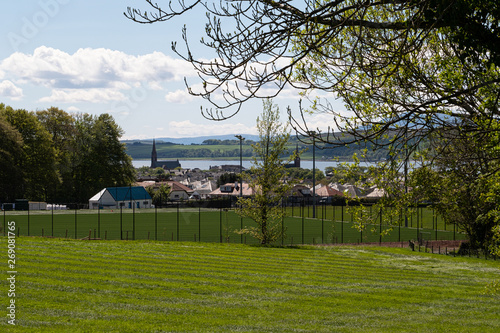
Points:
(54, 156)
(404, 69)
(416, 77)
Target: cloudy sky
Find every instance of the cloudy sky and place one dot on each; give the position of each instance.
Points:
(86, 56)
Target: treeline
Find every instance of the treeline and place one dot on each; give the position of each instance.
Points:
(55, 156)
(212, 142)
(204, 153)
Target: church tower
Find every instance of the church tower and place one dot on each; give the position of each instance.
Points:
(154, 157)
(297, 157)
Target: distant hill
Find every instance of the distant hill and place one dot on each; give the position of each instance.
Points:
(195, 140)
(193, 148)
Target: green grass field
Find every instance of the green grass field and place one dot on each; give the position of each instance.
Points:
(220, 226)
(141, 286)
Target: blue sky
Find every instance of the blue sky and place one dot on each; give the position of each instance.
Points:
(86, 56)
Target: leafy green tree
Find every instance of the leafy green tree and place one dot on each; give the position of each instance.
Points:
(227, 178)
(410, 73)
(38, 159)
(161, 195)
(11, 174)
(61, 125)
(100, 159)
(463, 185)
(343, 174)
(267, 177)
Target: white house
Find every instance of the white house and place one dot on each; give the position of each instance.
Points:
(125, 197)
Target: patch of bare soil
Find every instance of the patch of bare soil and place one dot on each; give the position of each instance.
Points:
(436, 246)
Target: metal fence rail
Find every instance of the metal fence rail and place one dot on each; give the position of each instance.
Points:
(333, 224)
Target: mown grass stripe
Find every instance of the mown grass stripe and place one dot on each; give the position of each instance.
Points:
(181, 287)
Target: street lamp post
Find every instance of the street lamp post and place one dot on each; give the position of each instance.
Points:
(239, 137)
(313, 133)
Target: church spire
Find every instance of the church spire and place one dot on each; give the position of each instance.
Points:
(154, 157)
(297, 157)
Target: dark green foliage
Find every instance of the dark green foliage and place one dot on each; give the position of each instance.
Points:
(227, 178)
(11, 173)
(38, 158)
(53, 156)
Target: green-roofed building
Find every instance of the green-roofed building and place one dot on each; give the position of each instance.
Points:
(125, 197)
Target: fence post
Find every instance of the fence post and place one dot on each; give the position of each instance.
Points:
(177, 220)
(199, 222)
(418, 224)
(399, 227)
(434, 217)
(156, 222)
(52, 221)
(322, 223)
(76, 208)
(282, 218)
(28, 221)
(303, 224)
(342, 225)
(99, 222)
(380, 227)
(121, 222)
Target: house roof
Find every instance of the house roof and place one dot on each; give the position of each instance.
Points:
(176, 186)
(376, 193)
(124, 193)
(247, 190)
(327, 191)
(300, 190)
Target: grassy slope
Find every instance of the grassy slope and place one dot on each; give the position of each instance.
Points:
(116, 286)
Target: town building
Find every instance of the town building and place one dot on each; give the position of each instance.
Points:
(121, 197)
(168, 165)
(232, 190)
(296, 161)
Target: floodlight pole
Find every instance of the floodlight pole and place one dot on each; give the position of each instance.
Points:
(239, 137)
(313, 134)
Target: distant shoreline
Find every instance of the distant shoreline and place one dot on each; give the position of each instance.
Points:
(204, 164)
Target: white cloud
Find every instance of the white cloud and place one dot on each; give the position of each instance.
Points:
(83, 95)
(188, 129)
(92, 68)
(179, 97)
(89, 69)
(9, 89)
(155, 85)
(73, 109)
